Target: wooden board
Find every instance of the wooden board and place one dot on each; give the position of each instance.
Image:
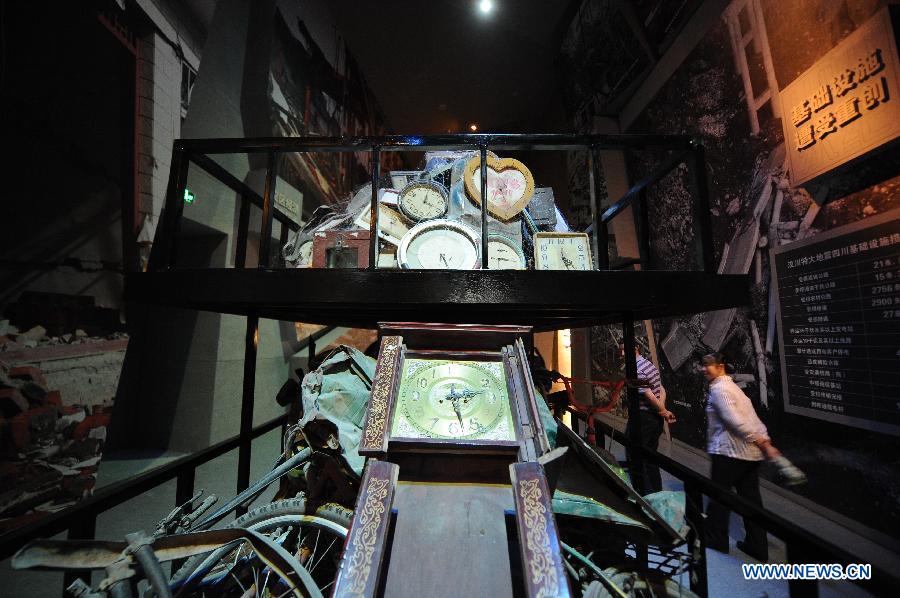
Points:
(450, 541)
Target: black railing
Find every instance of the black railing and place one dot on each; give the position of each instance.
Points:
(684, 149)
(802, 545)
(80, 520)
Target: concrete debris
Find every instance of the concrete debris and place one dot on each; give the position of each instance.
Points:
(760, 365)
(50, 448)
(35, 334)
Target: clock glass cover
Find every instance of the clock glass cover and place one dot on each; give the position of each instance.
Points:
(305, 254)
(423, 201)
(504, 254)
(451, 399)
(439, 245)
(562, 251)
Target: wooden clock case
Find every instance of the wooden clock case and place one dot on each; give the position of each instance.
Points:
(448, 517)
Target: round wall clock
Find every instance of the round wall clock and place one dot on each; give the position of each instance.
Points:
(509, 185)
(439, 245)
(505, 254)
(423, 200)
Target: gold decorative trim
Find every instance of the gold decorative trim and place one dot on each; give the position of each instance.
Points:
(377, 412)
(541, 565)
(368, 519)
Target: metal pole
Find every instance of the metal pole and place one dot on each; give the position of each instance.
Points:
(635, 459)
(85, 529)
(702, 218)
(696, 538)
(251, 341)
(373, 221)
(184, 486)
(601, 233)
(162, 256)
(485, 263)
(268, 210)
(644, 230)
(798, 553)
(240, 252)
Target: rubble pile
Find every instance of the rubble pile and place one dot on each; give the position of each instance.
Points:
(49, 450)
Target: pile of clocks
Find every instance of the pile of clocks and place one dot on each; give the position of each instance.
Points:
(422, 224)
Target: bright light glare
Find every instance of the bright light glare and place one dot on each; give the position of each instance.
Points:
(485, 6)
(473, 127)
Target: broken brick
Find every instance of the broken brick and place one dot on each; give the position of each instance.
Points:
(12, 402)
(29, 373)
(31, 425)
(36, 395)
(54, 398)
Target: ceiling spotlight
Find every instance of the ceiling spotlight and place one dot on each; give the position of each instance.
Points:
(485, 6)
(473, 127)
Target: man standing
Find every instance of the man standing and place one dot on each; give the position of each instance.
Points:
(653, 412)
(737, 442)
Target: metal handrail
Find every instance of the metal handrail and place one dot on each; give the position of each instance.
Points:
(115, 494)
(198, 151)
(802, 545)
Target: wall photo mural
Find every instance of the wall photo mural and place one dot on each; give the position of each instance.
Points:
(817, 349)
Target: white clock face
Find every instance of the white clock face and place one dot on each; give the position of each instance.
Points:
(562, 252)
(305, 258)
(502, 255)
(439, 245)
(423, 201)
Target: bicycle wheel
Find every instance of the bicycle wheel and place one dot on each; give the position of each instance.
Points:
(316, 541)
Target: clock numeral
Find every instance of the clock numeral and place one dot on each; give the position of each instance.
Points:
(485, 382)
(476, 426)
(422, 383)
(453, 428)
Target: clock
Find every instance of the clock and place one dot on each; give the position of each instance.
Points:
(453, 387)
(504, 253)
(304, 254)
(562, 251)
(509, 185)
(423, 200)
(439, 245)
(459, 399)
(391, 225)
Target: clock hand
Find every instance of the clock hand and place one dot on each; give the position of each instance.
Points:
(444, 259)
(458, 415)
(567, 262)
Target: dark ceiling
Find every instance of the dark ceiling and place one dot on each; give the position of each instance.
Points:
(439, 65)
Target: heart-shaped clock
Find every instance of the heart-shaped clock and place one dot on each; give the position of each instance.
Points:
(509, 185)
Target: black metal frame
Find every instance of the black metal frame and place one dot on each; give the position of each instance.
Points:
(685, 149)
